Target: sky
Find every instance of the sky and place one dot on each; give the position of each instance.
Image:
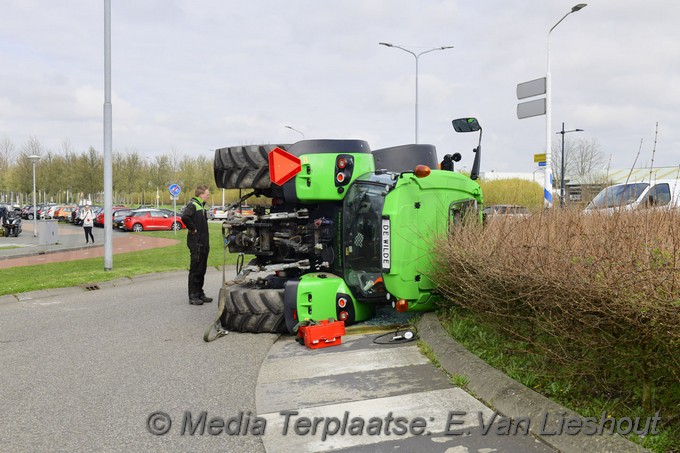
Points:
(189, 76)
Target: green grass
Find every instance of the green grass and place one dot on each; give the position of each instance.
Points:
(516, 360)
(76, 273)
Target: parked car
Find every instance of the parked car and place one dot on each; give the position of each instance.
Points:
(27, 212)
(221, 212)
(49, 213)
(661, 194)
(99, 220)
(505, 210)
(152, 219)
(119, 218)
(217, 212)
(171, 212)
(64, 213)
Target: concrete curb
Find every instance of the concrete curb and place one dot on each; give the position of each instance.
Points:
(512, 399)
(123, 281)
(27, 254)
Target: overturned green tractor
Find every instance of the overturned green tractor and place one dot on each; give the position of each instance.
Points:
(344, 229)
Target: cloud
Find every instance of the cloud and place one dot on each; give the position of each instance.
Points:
(199, 75)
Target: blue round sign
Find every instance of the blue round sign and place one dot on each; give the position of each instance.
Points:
(174, 189)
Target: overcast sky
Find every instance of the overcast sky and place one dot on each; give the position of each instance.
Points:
(194, 75)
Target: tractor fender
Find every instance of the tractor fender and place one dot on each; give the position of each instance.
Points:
(321, 295)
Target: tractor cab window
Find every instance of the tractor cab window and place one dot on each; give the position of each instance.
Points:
(361, 224)
(462, 213)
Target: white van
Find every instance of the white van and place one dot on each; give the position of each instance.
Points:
(660, 194)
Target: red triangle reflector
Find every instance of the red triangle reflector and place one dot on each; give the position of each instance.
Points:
(282, 166)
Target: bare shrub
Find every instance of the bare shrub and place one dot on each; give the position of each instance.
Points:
(597, 294)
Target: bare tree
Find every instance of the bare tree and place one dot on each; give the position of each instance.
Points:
(557, 160)
(21, 179)
(583, 160)
(69, 167)
(589, 160)
(32, 146)
(6, 160)
(6, 152)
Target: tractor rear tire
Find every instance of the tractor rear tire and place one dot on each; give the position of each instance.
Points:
(243, 167)
(251, 309)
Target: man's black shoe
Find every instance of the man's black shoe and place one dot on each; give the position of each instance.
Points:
(205, 298)
(195, 300)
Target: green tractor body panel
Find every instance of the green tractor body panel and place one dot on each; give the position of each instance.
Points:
(421, 211)
(321, 180)
(321, 295)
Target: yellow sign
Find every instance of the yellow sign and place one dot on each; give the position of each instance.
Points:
(539, 157)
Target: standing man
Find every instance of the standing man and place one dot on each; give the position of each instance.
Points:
(196, 220)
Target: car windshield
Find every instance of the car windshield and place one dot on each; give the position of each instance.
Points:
(620, 195)
(361, 226)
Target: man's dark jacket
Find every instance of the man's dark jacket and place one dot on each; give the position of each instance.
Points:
(196, 220)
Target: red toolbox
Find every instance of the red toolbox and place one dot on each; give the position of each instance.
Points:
(322, 334)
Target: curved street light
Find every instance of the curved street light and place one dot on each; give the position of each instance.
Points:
(416, 56)
(547, 186)
(293, 129)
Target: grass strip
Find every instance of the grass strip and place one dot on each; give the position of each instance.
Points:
(516, 360)
(76, 273)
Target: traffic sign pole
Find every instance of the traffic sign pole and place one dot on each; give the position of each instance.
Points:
(174, 190)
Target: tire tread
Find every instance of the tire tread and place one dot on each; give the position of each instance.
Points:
(243, 167)
(249, 309)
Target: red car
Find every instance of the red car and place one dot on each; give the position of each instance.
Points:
(99, 220)
(152, 219)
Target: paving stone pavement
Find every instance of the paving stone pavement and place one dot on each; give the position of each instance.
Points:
(362, 396)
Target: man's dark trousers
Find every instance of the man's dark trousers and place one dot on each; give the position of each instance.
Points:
(198, 265)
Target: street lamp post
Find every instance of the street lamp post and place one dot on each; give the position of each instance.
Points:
(293, 129)
(547, 186)
(34, 158)
(416, 56)
(562, 132)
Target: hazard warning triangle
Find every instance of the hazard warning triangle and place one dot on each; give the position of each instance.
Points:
(282, 166)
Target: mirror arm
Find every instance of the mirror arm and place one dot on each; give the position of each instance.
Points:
(474, 174)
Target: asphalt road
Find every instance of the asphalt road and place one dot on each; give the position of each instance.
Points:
(83, 371)
(87, 370)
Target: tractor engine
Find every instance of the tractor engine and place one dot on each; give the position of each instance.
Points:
(300, 239)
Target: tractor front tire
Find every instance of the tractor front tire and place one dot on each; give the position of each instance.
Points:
(251, 309)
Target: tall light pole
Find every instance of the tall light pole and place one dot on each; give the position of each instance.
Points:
(34, 158)
(562, 167)
(293, 129)
(547, 185)
(416, 56)
(108, 139)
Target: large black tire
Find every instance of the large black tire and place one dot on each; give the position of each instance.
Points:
(247, 167)
(243, 167)
(250, 309)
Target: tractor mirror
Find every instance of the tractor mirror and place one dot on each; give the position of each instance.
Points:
(465, 125)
